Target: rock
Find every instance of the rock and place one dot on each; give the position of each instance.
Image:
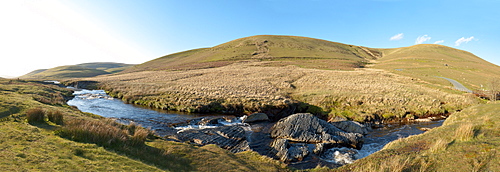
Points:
(352, 127)
(288, 152)
(207, 121)
(307, 128)
(256, 117)
(228, 137)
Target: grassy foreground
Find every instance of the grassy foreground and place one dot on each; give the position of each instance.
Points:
(43, 145)
(468, 141)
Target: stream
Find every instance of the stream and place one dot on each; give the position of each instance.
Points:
(99, 103)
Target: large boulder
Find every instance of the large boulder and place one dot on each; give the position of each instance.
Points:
(255, 117)
(352, 127)
(287, 152)
(307, 128)
(228, 137)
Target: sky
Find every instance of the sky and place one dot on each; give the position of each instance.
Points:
(41, 34)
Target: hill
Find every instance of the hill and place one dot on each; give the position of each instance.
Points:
(282, 50)
(282, 74)
(430, 61)
(77, 71)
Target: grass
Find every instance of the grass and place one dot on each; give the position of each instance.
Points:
(246, 87)
(468, 141)
(285, 50)
(91, 143)
(427, 61)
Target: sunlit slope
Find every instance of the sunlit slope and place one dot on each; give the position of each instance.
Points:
(76, 71)
(427, 61)
(278, 50)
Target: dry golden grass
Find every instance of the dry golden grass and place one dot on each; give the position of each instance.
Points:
(439, 145)
(245, 87)
(465, 132)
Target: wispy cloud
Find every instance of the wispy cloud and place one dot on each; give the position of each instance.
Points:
(422, 39)
(463, 40)
(439, 42)
(397, 37)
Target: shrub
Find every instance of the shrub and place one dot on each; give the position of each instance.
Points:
(56, 117)
(35, 115)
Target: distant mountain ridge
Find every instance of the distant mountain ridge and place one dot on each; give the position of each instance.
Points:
(77, 71)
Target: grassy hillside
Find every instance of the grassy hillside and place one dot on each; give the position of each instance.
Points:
(272, 73)
(246, 87)
(77, 71)
(281, 50)
(28, 144)
(427, 61)
(467, 141)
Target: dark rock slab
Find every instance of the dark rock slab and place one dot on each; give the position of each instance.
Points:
(307, 128)
(256, 117)
(287, 152)
(352, 127)
(228, 137)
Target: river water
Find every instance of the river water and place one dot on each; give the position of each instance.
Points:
(97, 102)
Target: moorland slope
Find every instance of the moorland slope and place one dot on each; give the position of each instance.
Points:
(283, 50)
(77, 71)
(430, 61)
(284, 74)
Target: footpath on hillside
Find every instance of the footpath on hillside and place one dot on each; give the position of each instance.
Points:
(457, 85)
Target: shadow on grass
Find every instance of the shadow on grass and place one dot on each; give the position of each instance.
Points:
(151, 156)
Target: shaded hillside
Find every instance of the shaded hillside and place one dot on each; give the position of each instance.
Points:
(281, 50)
(77, 71)
(430, 61)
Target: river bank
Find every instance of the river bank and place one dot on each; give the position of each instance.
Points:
(256, 134)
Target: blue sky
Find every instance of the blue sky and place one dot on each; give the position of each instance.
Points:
(49, 33)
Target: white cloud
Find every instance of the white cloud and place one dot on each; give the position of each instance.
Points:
(463, 40)
(397, 37)
(422, 39)
(439, 42)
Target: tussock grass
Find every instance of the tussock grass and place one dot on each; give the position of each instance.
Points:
(439, 145)
(465, 132)
(106, 133)
(35, 115)
(91, 131)
(56, 116)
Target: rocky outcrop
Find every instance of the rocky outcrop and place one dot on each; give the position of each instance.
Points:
(288, 152)
(307, 128)
(256, 117)
(227, 137)
(352, 127)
